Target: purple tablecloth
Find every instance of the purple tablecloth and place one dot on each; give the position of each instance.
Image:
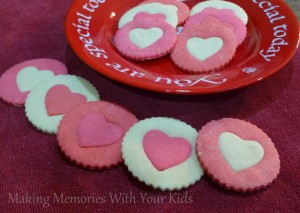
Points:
(38, 175)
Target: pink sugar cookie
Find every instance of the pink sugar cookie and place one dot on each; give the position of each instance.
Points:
(238, 11)
(144, 39)
(152, 8)
(205, 48)
(17, 81)
(91, 134)
(225, 16)
(183, 11)
(237, 155)
(143, 15)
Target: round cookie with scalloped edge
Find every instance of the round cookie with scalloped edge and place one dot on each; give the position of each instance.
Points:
(169, 14)
(161, 153)
(204, 48)
(238, 11)
(91, 134)
(182, 10)
(17, 81)
(224, 16)
(49, 101)
(145, 38)
(237, 155)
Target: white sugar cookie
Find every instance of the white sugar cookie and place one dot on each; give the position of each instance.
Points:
(48, 102)
(152, 8)
(161, 153)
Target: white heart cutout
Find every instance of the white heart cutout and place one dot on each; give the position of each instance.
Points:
(202, 48)
(240, 154)
(29, 77)
(144, 38)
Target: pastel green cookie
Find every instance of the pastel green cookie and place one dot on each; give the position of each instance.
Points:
(47, 103)
(161, 153)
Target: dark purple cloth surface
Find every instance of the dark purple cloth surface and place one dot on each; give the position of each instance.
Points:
(33, 168)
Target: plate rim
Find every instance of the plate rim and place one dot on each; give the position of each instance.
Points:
(186, 91)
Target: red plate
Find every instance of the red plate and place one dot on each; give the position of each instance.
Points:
(272, 40)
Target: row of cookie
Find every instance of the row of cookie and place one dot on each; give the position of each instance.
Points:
(166, 153)
(207, 43)
(47, 91)
(158, 151)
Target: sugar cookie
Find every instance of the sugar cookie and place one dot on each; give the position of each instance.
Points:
(225, 16)
(145, 38)
(182, 10)
(91, 134)
(240, 12)
(205, 48)
(48, 102)
(17, 81)
(237, 155)
(152, 8)
(161, 153)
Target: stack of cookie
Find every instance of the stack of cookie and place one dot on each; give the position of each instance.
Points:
(212, 31)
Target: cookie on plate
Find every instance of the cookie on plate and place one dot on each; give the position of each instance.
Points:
(237, 155)
(169, 14)
(238, 11)
(145, 38)
(161, 153)
(204, 48)
(224, 16)
(91, 134)
(182, 10)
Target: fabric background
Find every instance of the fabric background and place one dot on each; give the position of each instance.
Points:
(30, 161)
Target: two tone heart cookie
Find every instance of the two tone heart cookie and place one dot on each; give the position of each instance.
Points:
(48, 102)
(182, 10)
(206, 47)
(168, 12)
(225, 16)
(236, 9)
(161, 153)
(91, 134)
(146, 37)
(19, 80)
(237, 155)
(201, 47)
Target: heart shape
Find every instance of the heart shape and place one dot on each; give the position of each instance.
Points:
(29, 77)
(165, 152)
(144, 38)
(60, 100)
(94, 130)
(202, 48)
(240, 154)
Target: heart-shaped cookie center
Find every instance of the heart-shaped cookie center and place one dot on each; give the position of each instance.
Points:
(144, 38)
(240, 154)
(29, 77)
(60, 100)
(202, 48)
(165, 152)
(94, 131)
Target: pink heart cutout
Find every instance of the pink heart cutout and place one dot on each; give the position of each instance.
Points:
(165, 152)
(94, 130)
(60, 100)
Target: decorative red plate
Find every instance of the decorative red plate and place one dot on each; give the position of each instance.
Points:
(272, 40)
